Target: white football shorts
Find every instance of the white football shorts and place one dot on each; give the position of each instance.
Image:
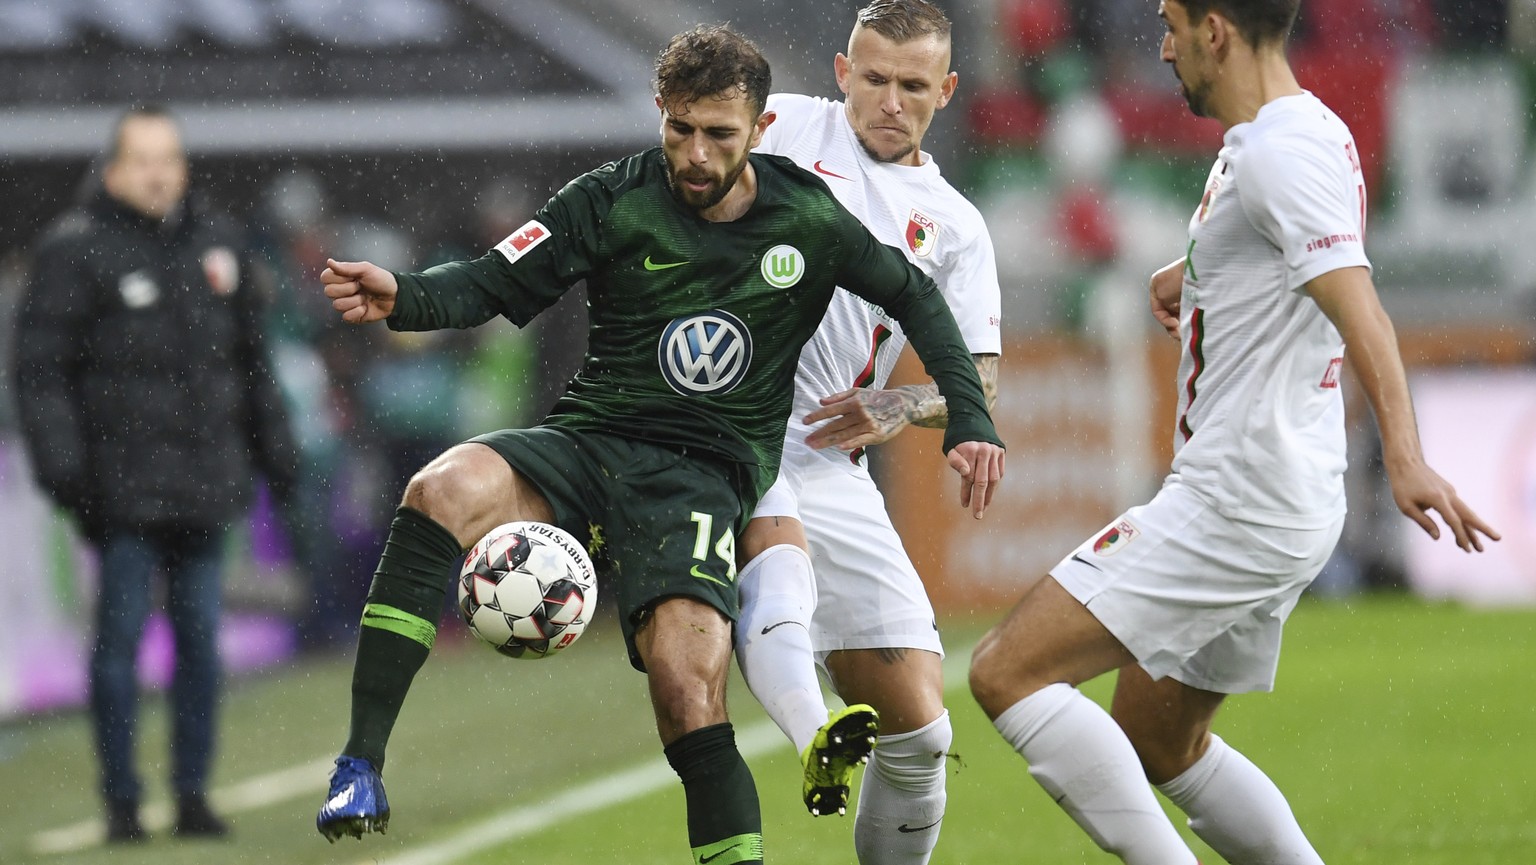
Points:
(1193, 594)
(869, 595)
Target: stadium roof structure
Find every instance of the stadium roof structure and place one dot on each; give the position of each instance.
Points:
(296, 77)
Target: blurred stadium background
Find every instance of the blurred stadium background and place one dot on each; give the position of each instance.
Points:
(414, 131)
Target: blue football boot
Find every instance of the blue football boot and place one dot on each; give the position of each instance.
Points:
(356, 803)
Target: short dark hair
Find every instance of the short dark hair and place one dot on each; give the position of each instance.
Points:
(149, 111)
(1261, 22)
(710, 60)
(904, 20)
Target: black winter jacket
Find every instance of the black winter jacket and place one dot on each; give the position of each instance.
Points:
(143, 384)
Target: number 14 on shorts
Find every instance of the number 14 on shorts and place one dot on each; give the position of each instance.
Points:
(725, 547)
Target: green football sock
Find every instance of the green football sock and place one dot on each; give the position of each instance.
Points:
(398, 627)
(724, 824)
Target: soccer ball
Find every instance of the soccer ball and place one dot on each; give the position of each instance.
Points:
(528, 589)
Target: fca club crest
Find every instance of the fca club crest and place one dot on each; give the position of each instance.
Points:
(1213, 186)
(1116, 538)
(921, 234)
(709, 352)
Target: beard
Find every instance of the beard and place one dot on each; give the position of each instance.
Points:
(889, 158)
(1199, 103)
(1198, 98)
(711, 196)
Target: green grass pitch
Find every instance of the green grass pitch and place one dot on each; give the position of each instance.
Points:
(1401, 732)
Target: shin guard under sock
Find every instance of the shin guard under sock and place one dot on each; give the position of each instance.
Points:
(1081, 757)
(398, 627)
(724, 823)
(773, 641)
(901, 801)
(1234, 807)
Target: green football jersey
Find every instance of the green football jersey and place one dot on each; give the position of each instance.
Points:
(696, 326)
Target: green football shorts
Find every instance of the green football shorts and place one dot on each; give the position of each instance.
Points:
(658, 522)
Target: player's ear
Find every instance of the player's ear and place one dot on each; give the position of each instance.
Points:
(842, 67)
(947, 88)
(1219, 34)
(764, 121)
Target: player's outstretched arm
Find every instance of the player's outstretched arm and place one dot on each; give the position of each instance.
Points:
(361, 291)
(1348, 297)
(861, 417)
(980, 466)
(1167, 291)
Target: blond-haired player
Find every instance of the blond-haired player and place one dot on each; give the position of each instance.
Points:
(825, 575)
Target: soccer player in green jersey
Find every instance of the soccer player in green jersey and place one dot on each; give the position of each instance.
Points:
(707, 269)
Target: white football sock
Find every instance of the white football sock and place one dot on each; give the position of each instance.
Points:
(1081, 757)
(901, 800)
(773, 641)
(1235, 808)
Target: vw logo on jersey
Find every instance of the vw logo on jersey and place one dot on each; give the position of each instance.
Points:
(783, 266)
(705, 353)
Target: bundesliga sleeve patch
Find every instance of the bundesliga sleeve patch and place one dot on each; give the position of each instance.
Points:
(519, 242)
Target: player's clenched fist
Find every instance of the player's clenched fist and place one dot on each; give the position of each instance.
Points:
(361, 291)
(1166, 288)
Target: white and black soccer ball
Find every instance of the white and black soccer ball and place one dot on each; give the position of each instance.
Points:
(527, 588)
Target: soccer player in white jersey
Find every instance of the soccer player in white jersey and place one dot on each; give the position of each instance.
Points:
(865, 616)
(1186, 595)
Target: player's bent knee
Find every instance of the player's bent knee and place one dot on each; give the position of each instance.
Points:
(1004, 672)
(460, 486)
(989, 676)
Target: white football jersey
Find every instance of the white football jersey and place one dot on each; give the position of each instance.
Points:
(1260, 423)
(909, 207)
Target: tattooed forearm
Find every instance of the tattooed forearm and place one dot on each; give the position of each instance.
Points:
(986, 367)
(896, 407)
(924, 406)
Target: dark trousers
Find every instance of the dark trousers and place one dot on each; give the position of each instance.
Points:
(192, 561)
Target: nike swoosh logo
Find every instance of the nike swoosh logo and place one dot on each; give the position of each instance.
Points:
(905, 828)
(713, 856)
(820, 170)
(1078, 558)
(703, 576)
(651, 265)
(385, 616)
(776, 624)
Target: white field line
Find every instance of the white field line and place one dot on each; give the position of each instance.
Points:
(295, 781)
(157, 815)
(614, 789)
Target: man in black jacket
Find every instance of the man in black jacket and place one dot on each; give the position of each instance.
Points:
(147, 407)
